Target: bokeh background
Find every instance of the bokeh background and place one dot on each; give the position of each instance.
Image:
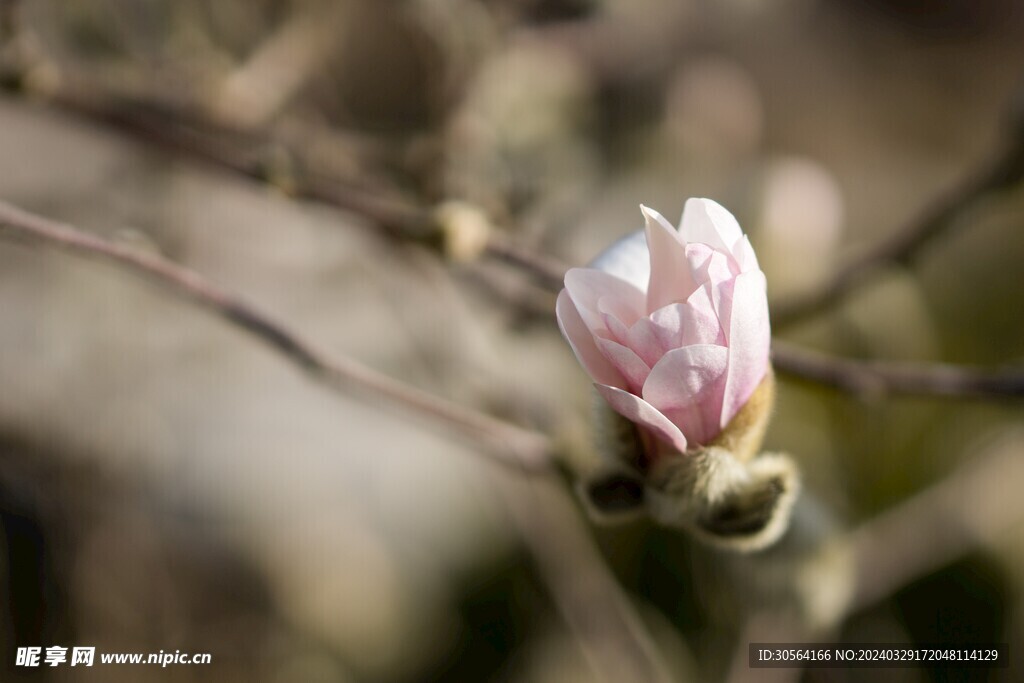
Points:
(168, 483)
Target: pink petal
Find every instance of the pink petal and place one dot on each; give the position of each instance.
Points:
(749, 336)
(640, 337)
(588, 286)
(694, 322)
(707, 264)
(643, 338)
(581, 340)
(703, 303)
(670, 281)
(619, 332)
(711, 270)
(707, 222)
(641, 412)
(626, 362)
(687, 387)
(623, 309)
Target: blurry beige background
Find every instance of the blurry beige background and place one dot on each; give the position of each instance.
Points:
(168, 483)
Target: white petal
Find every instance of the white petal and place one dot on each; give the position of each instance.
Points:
(707, 264)
(707, 222)
(627, 259)
(671, 280)
(588, 286)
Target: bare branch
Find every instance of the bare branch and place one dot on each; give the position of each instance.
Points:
(181, 127)
(1003, 170)
(596, 610)
(514, 444)
(247, 153)
(546, 271)
(878, 378)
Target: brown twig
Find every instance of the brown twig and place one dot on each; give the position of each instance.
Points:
(1003, 170)
(246, 153)
(878, 378)
(546, 271)
(183, 128)
(514, 444)
(584, 591)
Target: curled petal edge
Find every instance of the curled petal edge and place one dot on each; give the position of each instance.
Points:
(642, 413)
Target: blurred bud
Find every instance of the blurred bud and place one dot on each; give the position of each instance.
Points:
(713, 108)
(465, 228)
(801, 221)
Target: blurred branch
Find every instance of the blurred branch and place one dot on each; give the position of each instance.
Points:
(1002, 171)
(252, 154)
(612, 635)
(934, 528)
(279, 153)
(877, 378)
(546, 271)
(253, 94)
(585, 592)
(514, 444)
(940, 524)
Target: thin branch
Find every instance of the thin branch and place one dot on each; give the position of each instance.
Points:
(1002, 171)
(877, 378)
(246, 153)
(183, 128)
(940, 524)
(596, 610)
(546, 271)
(599, 614)
(514, 444)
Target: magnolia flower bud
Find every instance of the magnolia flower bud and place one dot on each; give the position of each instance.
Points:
(672, 326)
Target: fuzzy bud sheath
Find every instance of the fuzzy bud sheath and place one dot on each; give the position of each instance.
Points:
(672, 326)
